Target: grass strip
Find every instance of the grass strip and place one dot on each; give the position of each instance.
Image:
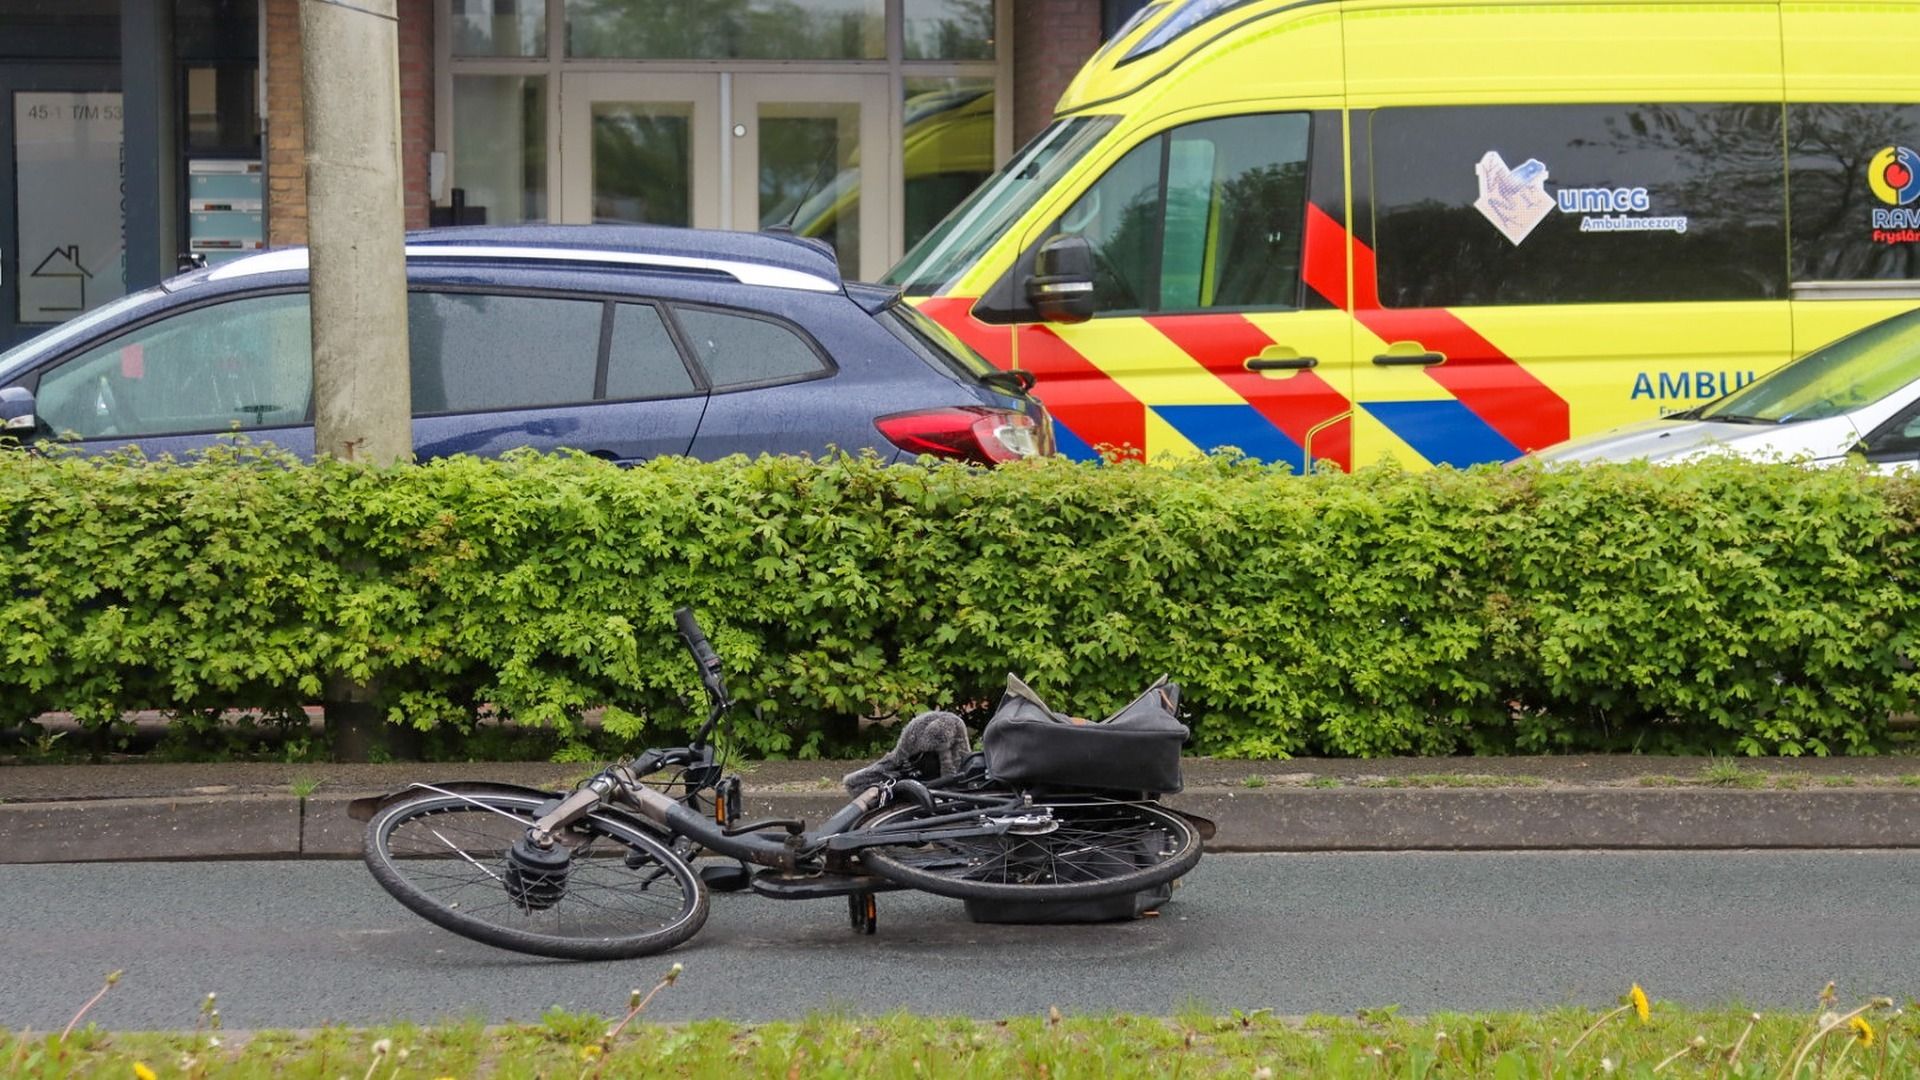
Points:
(1869, 1039)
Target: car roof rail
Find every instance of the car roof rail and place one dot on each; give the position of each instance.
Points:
(748, 258)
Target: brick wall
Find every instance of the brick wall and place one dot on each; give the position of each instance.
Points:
(416, 105)
(1051, 40)
(286, 127)
(286, 117)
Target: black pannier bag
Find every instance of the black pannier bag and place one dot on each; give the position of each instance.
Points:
(1136, 749)
(1134, 752)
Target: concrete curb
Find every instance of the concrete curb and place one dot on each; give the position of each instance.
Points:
(285, 826)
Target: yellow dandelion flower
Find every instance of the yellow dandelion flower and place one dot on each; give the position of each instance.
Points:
(1641, 1007)
(140, 1070)
(589, 1052)
(1862, 1030)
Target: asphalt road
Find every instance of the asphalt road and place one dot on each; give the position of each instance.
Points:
(300, 944)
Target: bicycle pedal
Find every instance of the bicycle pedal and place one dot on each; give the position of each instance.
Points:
(724, 878)
(863, 912)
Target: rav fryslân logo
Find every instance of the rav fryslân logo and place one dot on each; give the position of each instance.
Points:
(1894, 176)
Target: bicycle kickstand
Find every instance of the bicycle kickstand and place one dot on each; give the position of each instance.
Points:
(862, 912)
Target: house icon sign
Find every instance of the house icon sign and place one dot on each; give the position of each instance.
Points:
(66, 279)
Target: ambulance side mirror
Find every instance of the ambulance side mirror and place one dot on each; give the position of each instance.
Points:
(1061, 287)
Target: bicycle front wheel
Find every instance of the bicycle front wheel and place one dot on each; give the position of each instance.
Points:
(617, 893)
(1061, 849)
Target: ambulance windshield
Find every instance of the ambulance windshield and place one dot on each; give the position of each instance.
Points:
(1188, 16)
(959, 240)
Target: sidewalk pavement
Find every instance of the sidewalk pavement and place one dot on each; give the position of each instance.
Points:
(125, 812)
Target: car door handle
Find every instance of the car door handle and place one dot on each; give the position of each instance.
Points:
(1423, 359)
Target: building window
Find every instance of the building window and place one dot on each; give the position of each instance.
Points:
(645, 110)
(740, 30)
(949, 29)
(222, 110)
(1559, 204)
(500, 147)
(499, 27)
(946, 147)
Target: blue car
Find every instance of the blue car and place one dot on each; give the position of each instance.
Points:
(624, 342)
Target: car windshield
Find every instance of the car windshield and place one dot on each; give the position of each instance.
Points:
(1853, 372)
(957, 242)
(50, 340)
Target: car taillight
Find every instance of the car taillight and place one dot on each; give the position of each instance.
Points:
(969, 433)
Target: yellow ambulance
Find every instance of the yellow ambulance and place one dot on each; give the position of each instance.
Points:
(1331, 232)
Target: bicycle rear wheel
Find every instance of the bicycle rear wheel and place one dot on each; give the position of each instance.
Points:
(620, 893)
(1058, 849)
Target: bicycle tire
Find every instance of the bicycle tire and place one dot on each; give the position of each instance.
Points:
(614, 877)
(1101, 847)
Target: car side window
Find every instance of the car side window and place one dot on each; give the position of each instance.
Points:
(237, 365)
(1898, 439)
(644, 362)
(1208, 215)
(742, 350)
(472, 352)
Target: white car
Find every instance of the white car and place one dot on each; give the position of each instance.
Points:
(1857, 395)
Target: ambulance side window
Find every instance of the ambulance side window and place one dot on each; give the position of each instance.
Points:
(1578, 204)
(1206, 216)
(1855, 183)
(1118, 216)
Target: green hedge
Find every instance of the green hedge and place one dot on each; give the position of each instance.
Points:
(1727, 607)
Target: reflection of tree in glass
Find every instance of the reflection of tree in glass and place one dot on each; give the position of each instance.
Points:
(1123, 252)
(1724, 161)
(1258, 259)
(642, 167)
(1829, 148)
(1724, 164)
(798, 154)
(726, 29)
(963, 31)
(809, 178)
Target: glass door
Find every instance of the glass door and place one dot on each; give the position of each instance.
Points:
(812, 153)
(641, 149)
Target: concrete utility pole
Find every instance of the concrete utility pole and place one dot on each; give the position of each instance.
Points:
(350, 70)
(362, 392)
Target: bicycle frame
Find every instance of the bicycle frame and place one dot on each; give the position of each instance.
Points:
(620, 786)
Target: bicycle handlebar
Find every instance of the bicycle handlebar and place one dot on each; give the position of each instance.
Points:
(704, 656)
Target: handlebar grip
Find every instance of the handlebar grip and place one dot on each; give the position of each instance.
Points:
(702, 651)
(689, 628)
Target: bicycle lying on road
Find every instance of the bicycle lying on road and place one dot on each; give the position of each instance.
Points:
(606, 871)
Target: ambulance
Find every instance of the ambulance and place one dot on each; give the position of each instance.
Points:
(1337, 232)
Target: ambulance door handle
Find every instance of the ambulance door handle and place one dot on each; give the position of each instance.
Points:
(1423, 359)
(1278, 358)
